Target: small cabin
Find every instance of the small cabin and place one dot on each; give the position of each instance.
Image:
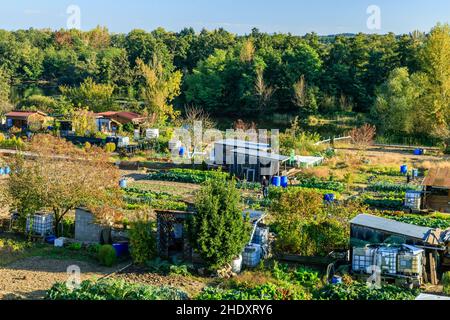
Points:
(248, 160)
(22, 119)
(436, 186)
(110, 121)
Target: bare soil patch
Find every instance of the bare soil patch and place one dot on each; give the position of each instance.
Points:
(191, 285)
(30, 278)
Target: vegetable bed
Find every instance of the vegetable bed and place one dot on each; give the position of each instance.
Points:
(187, 175)
(114, 290)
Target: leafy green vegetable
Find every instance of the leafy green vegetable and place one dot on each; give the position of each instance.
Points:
(113, 290)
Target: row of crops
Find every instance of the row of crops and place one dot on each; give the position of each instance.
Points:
(393, 187)
(315, 183)
(187, 175)
(135, 198)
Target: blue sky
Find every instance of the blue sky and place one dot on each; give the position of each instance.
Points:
(238, 16)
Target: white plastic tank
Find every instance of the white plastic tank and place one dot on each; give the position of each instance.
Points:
(410, 261)
(137, 134)
(123, 142)
(236, 264)
(363, 259)
(152, 133)
(261, 236)
(386, 259)
(252, 255)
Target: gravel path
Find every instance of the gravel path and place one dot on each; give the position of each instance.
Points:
(30, 278)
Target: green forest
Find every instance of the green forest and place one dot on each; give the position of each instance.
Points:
(400, 83)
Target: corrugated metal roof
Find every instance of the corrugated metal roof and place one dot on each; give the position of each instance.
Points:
(244, 144)
(261, 154)
(438, 177)
(391, 226)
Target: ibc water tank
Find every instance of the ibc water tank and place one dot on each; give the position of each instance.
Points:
(123, 183)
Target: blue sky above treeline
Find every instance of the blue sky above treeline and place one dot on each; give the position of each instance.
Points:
(298, 17)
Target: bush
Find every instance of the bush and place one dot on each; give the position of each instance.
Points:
(12, 143)
(110, 147)
(306, 226)
(142, 241)
(114, 290)
(218, 230)
(446, 283)
(39, 102)
(107, 255)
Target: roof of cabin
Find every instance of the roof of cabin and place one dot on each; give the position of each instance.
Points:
(261, 154)
(438, 177)
(391, 226)
(244, 144)
(23, 114)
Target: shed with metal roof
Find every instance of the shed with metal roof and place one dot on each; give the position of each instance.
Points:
(375, 229)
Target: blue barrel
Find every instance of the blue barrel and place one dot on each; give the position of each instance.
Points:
(417, 152)
(181, 152)
(7, 170)
(404, 169)
(336, 280)
(284, 181)
(123, 183)
(50, 239)
(329, 197)
(121, 248)
(276, 181)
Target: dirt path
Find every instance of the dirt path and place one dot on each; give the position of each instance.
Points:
(30, 278)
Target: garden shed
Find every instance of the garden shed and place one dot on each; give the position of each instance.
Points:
(437, 190)
(21, 119)
(248, 160)
(376, 230)
(110, 120)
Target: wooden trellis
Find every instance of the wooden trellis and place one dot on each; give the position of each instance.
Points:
(166, 220)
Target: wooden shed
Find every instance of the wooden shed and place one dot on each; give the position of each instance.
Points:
(437, 190)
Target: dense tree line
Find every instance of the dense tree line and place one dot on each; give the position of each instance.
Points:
(253, 75)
